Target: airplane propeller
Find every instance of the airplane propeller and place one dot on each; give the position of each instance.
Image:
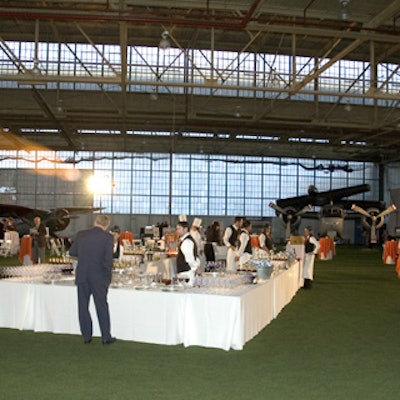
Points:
(373, 218)
(289, 216)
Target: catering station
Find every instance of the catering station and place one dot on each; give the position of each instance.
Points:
(149, 303)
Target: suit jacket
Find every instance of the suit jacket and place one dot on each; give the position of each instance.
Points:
(94, 250)
(39, 237)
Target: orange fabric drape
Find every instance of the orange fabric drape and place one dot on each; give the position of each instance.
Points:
(255, 241)
(398, 267)
(389, 252)
(25, 248)
(326, 248)
(126, 235)
(398, 259)
(171, 244)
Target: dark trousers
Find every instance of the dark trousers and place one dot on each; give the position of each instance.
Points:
(38, 253)
(99, 291)
(209, 252)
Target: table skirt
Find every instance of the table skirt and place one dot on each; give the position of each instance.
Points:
(189, 317)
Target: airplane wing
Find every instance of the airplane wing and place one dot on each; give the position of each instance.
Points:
(56, 219)
(84, 209)
(333, 205)
(347, 204)
(320, 199)
(14, 211)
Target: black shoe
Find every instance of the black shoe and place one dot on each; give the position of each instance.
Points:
(88, 341)
(110, 341)
(307, 284)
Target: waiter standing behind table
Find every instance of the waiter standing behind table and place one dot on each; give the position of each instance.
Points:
(118, 250)
(187, 260)
(245, 251)
(94, 249)
(311, 247)
(266, 241)
(213, 236)
(196, 235)
(231, 241)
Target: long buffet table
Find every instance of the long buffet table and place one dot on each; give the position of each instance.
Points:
(190, 317)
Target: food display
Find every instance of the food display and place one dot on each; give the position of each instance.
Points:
(280, 260)
(60, 260)
(141, 272)
(121, 264)
(140, 251)
(265, 265)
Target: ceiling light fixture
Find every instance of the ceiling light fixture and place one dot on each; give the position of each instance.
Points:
(164, 42)
(59, 106)
(237, 112)
(154, 94)
(348, 107)
(344, 9)
(36, 69)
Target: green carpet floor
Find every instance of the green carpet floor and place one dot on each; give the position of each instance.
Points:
(339, 340)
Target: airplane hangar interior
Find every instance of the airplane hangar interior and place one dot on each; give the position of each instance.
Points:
(277, 110)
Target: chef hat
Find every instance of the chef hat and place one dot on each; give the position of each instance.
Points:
(182, 218)
(197, 222)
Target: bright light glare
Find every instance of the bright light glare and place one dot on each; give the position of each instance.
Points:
(100, 184)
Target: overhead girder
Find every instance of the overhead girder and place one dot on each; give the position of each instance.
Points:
(340, 41)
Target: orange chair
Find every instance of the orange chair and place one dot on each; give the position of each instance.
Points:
(126, 235)
(326, 248)
(398, 260)
(25, 248)
(389, 252)
(255, 241)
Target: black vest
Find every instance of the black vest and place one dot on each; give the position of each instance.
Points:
(181, 264)
(308, 246)
(234, 239)
(117, 251)
(248, 245)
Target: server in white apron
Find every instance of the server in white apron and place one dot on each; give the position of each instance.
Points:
(231, 241)
(244, 252)
(311, 247)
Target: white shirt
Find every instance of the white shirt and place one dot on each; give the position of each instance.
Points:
(244, 239)
(227, 235)
(261, 239)
(187, 248)
(195, 234)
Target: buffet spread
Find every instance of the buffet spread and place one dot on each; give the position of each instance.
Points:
(220, 310)
(134, 274)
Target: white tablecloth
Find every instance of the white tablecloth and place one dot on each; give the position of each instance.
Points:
(14, 237)
(189, 317)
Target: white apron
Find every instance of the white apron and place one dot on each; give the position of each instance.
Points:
(308, 268)
(230, 260)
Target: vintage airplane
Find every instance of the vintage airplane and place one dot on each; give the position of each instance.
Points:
(55, 220)
(373, 219)
(332, 208)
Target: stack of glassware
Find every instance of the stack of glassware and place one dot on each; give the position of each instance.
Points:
(216, 282)
(37, 272)
(215, 266)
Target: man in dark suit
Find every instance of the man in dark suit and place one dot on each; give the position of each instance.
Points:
(94, 250)
(38, 233)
